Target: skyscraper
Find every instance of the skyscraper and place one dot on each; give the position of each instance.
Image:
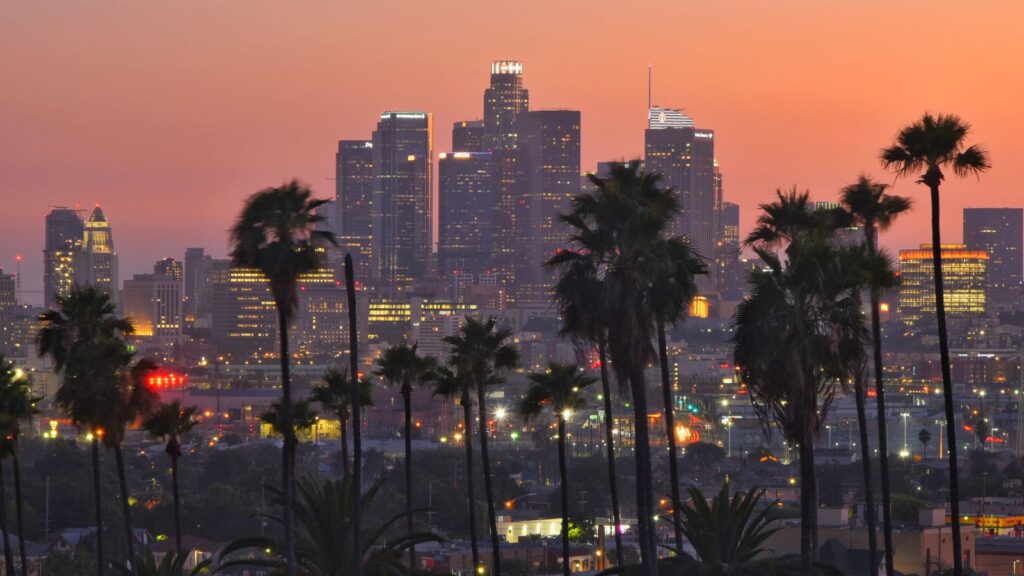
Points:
(198, 277)
(550, 142)
(97, 261)
(685, 157)
(64, 229)
(169, 267)
(153, 302)
(1000, 233)
(468, 136)
(8, 303)
(963, 275)
(353, 218)
(504, 101)
(402, 201)
(466, 213)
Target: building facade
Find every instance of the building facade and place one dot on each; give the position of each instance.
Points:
(504, 101)
(466, 213)
(964, 280)
(468, 136)
(353, 206)
(154, 304)
(1000, 233)
(64, 231)
(96, 264)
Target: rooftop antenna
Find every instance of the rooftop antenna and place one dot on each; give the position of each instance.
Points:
(650, 73)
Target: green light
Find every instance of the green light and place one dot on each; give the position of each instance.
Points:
(514, 435)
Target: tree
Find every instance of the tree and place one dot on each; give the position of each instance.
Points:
(557, 389)
(930, 145)
(304, 417)
(481, 350)
(170, 422)
(402, 366)
(799, 335)
(334, 395)
(172, 564)
(727, 531)
(17, 407)
(924, 436)
(867, 203)
(77, 336)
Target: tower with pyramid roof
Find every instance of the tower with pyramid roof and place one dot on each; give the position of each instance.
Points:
(97, 261)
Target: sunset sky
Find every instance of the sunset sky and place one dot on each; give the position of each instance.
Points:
(168, 114)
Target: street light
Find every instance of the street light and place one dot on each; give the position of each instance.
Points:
(906, 446)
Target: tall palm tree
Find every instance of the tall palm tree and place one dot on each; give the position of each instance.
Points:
(456, 384)
(869, 205)
(482, 351)
(930, 145)
(5, 531)
(17, 407)
(278, 234)
(170, 422)
(172, 564)
(334, 396)
(75, 336)
(799, 336)
(579, 294)
(557, 389)
(402, 366)
(355, 396)
(726, 531)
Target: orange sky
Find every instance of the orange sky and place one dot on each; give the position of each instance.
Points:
(169, 113)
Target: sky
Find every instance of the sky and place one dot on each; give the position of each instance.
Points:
(169, 114)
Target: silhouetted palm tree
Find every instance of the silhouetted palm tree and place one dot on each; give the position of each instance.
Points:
(17, 407)
(557, 389)
(170, 422)
(75, 336)
(924, 436)
(172, 564)
(278, 234)
(402, 366)
(728, 532)
(304, 417)
(482, 351)
(334, 396)
(868, 205)
(925, 148)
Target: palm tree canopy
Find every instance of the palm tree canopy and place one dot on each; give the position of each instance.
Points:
(128, 399)
(675, 267)
(727, 531)
(402, 365)
(304, 416)
(558, 388)
(789, 217)
(172, 564)
(481, 347)
(17, 404)
(335, 394)
(171, 421)
(81, 320)
(868, 203)
(932, 143)
(279, 234)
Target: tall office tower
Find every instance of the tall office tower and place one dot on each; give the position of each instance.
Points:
(153, 302)
(466, 213)
(730, 273)
(685, 157)
(353, 219)
(964, 279)
(96, 264)
(468, 136)
(504, 101)
(8, 304)
(402, 200)
(198, 277)
(169, 267)
(508, 176)
(999, 232)
(244, 320)
(64, 229)
(550, 141)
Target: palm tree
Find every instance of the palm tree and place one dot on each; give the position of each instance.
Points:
(867, 203)
(728, 531)
(924, 436)
(481, 349)
(4, 528)
(557, 389)
(401, 365)
(170, 422)
(455, 383)
(799, 335)
(278, 235)
(355, 396)
(334, 395)
(930, 145)
(74, 336)
(304, 417)
(579, 294)
(17, 406)
(172, 564)
(324, 513)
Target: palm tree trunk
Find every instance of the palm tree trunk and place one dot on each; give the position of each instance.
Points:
(644, 492)
(467, 419)
(126, 511)
(613, 483)
(407, 399)
(345, 469)
(808, 507)
(177, 503)
(357, 418)
(492, 517)
(883, 434)
(947, 380)
(670, 428)
(564, 476)
(97, 503)
(865, 456)
(288, 431)
(8, 553)
(18, 509)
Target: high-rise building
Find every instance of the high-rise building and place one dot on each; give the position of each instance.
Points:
(64, 229)
(169, 267)
(8, 304)
(685, 157)
(1000, 233)
(468, 136)
(550, 141)
(402, 200)
(729, 272)
(244, 320)
(963, 275)
(198, 278)
(466, 213)
(96, 264)
(508, 176)
(153, 302)
(353, 218)
(504, 101)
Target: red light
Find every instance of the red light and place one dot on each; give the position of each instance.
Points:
(160, 380)
(872, 393)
